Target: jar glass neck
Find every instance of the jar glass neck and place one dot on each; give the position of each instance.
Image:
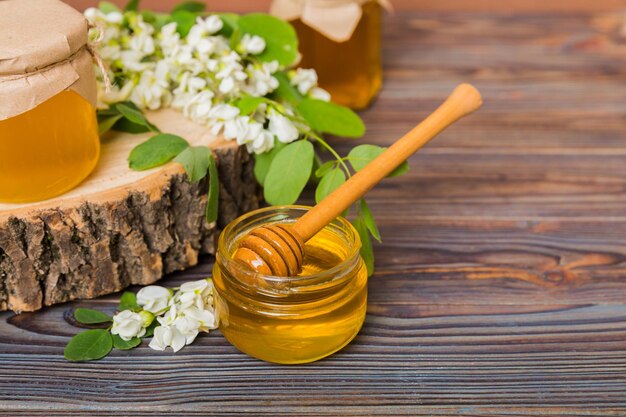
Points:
(252, 282)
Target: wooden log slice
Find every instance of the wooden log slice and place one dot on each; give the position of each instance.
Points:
(119, 227)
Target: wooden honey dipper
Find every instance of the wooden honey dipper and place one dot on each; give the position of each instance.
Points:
(278, 249)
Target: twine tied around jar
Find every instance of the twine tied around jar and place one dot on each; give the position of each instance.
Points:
(337, 24)
(91, 47)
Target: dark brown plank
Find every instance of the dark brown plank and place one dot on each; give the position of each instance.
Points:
(501, 281)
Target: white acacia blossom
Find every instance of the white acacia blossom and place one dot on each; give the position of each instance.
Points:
(199, 74)
(154, 298)
(128, 324)
(190, 311)
(303, 79)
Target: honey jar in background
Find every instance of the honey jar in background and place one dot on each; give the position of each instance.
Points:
(341, 40)
(49, 137)
(291, 320)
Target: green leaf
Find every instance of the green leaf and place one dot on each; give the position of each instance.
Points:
(89, 316)
(280, 37)
(264, 160)
(362, 155)
(331, 118)
(196, 162)
(214, 191)
(125, 125)
(231, 23)
(132, 5)
(158, 20)
(288, 173)
(156, 151)
(121, 344)
(285, 91)
(329, 183)
(402, 169)
(108, 7)
(248, 105)
(369, 221)
(128, 301)
(135, 116)
(325, 168)
(89, 345)
(106, 124)
(184, 21)
(366, 251)
(190, 6)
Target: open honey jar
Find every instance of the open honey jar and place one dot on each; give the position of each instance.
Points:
(291, 319)
(341, 40)
(48, 128)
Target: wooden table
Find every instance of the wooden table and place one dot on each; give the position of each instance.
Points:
(501, 283)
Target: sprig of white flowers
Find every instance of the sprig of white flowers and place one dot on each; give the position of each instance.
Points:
(201, 74)
(235, 75)
(174, 318)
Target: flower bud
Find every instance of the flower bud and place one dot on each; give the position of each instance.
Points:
(147, 317)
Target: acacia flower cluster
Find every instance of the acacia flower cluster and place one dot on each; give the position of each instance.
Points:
(181, 315)
(202, 74)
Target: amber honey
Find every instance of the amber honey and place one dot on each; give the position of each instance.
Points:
(48, 150)
(351, 71)
(294, 319)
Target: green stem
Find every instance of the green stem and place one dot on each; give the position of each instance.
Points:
(326, 146)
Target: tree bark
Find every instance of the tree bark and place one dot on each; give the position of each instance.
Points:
(109, 234)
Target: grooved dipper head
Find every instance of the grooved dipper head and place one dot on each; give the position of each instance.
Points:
(276, 250)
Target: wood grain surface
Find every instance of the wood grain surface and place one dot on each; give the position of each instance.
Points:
(501, 280)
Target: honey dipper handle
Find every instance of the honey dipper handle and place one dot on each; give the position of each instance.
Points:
(463, 101)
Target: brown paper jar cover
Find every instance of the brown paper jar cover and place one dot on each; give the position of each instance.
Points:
(43, 51)
(335, 19)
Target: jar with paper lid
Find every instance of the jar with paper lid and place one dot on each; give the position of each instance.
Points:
(49, 138)
(341, 40)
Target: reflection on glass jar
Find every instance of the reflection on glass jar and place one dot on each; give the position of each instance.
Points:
(294, 319)
(48, 150)
(351, 71)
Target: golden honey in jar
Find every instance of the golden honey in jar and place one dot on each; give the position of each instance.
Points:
(298, 319)
(48, 150)
(341, 40)
(48, 127)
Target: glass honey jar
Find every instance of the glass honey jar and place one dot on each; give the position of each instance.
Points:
(298, 319)
(341, 40)
(48, 127)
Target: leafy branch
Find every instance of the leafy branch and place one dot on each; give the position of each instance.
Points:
(289, 162)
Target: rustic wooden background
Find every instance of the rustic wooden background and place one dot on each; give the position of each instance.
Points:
(501, 280)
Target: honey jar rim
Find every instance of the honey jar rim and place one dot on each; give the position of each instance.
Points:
(223, 249)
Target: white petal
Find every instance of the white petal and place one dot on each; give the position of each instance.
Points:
(178, 340)
(194, 286)
(158, 340)
(319, 94)
(213, 24)
(227, 85)
(189, 338)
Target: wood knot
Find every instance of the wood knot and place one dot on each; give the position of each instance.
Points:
(555, 276)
